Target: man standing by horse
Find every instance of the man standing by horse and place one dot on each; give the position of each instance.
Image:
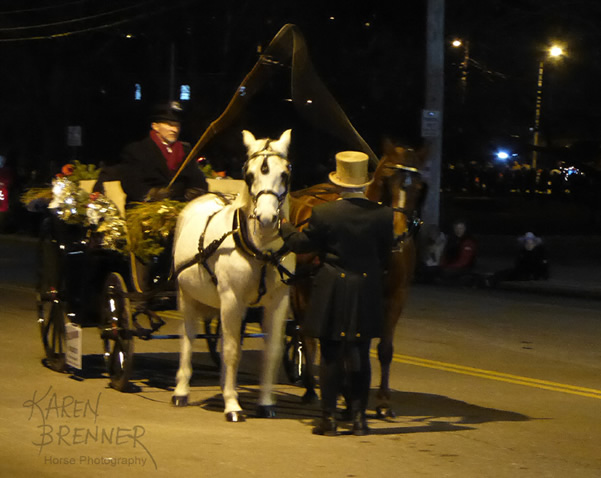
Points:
(353, 237)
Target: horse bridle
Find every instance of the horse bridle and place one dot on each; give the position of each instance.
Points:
(414, 221)
(266, 152)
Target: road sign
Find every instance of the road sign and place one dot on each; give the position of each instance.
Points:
(430, 124)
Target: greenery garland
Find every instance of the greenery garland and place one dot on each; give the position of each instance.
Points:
(150, 226)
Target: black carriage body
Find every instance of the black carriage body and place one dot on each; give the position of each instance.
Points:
(72, 268)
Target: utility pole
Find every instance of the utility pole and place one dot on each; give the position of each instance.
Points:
(172, 91)
(432, 114)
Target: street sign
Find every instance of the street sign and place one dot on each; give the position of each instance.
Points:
(430, 124)
(73, 135)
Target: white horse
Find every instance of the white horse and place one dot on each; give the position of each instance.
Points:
(229, 257)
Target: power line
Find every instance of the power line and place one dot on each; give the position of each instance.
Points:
(72, 20)
(104, 26)
(44, 8)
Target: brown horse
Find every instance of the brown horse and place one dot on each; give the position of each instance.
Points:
(397, 183)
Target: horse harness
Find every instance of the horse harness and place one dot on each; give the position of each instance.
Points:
(239, 232)
(266, 152)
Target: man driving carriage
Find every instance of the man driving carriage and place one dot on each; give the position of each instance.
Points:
(145, 171)
(147, 166)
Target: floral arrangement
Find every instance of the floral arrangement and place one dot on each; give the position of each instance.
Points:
(74, 205)
(76, 171)
(145, 231)
(36, 199)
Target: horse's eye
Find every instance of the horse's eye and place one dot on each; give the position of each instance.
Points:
(249, 179)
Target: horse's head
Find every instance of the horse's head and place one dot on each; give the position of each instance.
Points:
(267, 175)
(398, 182)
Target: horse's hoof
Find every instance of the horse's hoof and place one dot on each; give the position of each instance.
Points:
(385, 412)
(235, 417)
(266, 411)
(179, 401)
(309, 397)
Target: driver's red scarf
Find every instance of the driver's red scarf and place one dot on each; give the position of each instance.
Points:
(173, 153)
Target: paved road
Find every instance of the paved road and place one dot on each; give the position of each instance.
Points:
(487, 384)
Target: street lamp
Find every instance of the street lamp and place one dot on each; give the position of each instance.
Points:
(458, 43)
(553, 53)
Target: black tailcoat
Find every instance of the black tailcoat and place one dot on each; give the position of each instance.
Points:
(354, 238)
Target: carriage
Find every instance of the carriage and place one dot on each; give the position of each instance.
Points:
(81, 283)
(65, 297)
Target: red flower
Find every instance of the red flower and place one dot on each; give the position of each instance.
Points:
(94, 196)
(68, 169)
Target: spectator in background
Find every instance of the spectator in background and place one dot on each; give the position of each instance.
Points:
(459, 255)
(531, 262)
(430, 246)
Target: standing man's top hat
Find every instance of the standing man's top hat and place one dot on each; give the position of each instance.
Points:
(171, 111)
(351, 170)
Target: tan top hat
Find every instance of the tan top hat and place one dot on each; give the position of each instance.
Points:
(351, 170)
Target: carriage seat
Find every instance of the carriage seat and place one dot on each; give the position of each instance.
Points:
(227, 186)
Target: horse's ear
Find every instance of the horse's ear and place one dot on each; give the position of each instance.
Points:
(248, 138)
(283, 143)
(387, 146)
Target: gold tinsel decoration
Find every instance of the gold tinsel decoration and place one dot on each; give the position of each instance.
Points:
(145, 231)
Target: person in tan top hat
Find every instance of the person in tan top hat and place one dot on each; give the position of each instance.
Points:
(353, 237)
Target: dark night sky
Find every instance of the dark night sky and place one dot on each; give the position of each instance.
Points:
(72, 64)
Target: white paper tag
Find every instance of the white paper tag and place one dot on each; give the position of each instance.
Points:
(73, 355)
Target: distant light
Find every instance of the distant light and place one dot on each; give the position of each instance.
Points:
(555, 51)
(332, 18)
(129, 35)
(137, 92)
(457, 43)
(184, 92)
(309, 102)
(502, 155)
(367, 24)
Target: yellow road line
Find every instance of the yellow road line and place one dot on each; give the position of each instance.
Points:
(492, 375)
(461, 369)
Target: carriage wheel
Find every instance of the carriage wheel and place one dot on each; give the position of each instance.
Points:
(212, 333)
(51, 311)
(294, 356)
(52, 320)
(117, 332)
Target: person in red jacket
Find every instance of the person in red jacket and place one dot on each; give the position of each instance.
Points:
(459, 255)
